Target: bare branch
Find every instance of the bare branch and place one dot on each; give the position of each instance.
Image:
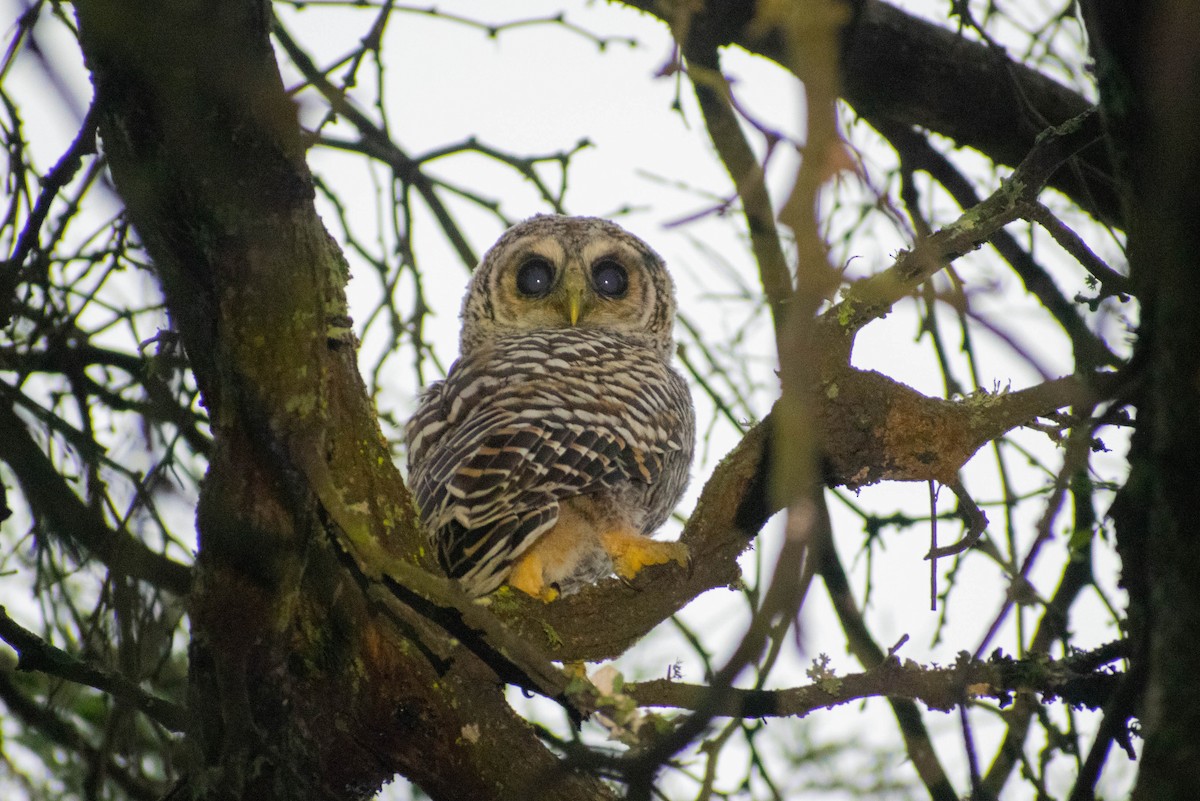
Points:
(872, 298)
(517, 661)
(376, 143)
(68, 517)
(878, 429)
(723, 128)
(916, 153)
(37, 654)
(54, 727)
(875, 429)
(940, 688)
(1111, 281)
(1076, 575)
(59, 176)
(917, 741)
(976, 524)
(897, 66)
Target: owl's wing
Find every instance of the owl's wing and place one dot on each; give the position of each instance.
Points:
(492, 485)
(521, 425)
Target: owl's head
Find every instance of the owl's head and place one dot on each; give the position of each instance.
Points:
(559, 272)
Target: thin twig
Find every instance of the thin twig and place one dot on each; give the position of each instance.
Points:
(39, 655)
(872, 298)
(712, 93)
(781, 602)
(977, 523)
(1111, 281)
(55, 180)
(916, 153)
(375, 142)
(72, 520)
(917, 741)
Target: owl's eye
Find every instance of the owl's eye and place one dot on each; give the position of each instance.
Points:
(609, 278)
(534, 278)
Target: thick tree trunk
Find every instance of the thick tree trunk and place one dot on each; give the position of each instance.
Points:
(1150, 71)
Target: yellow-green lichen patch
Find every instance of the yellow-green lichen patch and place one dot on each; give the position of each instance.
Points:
(552, 639)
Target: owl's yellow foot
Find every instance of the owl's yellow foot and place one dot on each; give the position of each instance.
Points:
(630, 552)
(526, 576)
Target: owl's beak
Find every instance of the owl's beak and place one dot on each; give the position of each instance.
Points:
(574, 303)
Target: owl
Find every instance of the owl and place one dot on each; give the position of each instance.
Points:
(561, 438)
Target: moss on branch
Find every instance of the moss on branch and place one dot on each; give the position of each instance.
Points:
(1077, 680)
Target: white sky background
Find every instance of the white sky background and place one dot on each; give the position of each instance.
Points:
(539, 89)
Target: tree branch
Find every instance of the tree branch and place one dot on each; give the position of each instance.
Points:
(516, 660)
(376, 143)
(878, 429)
(873, 297)
(917, 154)
(908, 717)
(69, 518)
(37, 654)
(875, 429)
(899, 67)
(57, 729)
(1076, 575)
(54, 181)
(939, 688)
(914, 72)
(721, 122)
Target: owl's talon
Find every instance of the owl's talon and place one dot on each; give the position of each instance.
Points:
(526, 576)
(631, 552)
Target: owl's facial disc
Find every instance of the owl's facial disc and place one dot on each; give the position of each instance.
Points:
(585, 289)
(569, 272)
(551, 291)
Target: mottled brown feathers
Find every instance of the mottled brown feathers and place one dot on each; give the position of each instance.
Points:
(539, 412)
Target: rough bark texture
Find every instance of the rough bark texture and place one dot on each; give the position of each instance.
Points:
(1150, 88)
